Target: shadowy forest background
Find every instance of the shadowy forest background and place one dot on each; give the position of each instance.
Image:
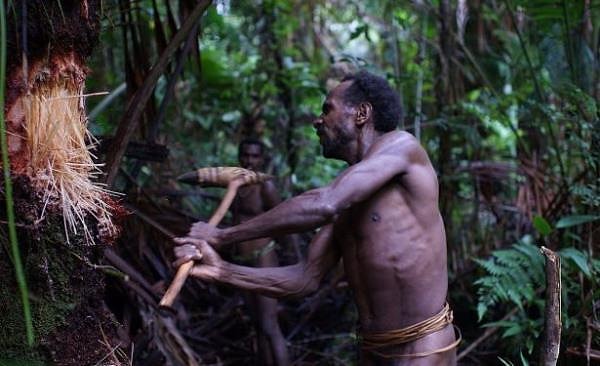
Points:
(503, 94)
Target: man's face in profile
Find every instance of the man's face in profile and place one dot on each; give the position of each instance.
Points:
(335, 124)
(251, 157)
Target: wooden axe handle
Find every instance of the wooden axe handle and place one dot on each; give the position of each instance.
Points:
(184, 269)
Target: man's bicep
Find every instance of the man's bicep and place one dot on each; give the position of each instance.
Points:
(361, 180)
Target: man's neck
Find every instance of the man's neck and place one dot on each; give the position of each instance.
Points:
(366, 138)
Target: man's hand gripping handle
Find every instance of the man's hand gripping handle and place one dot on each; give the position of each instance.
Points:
(184, 269)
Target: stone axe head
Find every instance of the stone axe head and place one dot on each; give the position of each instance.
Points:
(222, 176)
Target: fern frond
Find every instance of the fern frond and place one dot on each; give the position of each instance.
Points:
(512, 276)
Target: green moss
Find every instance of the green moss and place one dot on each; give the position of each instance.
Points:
(56, 279)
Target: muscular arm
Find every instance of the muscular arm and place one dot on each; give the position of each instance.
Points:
(392, 155)
(296, 280)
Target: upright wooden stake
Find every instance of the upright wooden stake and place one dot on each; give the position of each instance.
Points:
(552, 325)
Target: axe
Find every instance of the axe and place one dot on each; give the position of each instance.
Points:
(230, 177)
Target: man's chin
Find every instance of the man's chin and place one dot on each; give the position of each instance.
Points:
(330, 154)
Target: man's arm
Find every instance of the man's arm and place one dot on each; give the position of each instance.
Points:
(269, 195)
(296, 280)
(394, 154)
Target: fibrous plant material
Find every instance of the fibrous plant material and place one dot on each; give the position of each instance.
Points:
(60, 164)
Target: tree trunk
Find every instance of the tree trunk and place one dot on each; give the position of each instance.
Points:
(449, 89)
(63, 217)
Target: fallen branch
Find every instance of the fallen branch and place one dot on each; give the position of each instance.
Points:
(168, 233)
(592, 355)
(126, 268)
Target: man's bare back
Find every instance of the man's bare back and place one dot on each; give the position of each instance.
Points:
(380, 216)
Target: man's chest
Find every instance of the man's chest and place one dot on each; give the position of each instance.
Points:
(381, 225)
(376, 215)
(249, 201)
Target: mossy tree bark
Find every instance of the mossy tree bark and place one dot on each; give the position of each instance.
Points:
(63, 217)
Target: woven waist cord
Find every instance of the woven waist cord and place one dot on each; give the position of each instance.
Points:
(372, 341)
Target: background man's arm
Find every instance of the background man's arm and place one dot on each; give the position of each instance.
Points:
(269, 195)
(296, 280)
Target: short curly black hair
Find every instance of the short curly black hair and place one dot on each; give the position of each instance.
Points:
(251, 141)
(367, 87)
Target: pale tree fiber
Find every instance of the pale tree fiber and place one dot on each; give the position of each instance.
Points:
(48, 141)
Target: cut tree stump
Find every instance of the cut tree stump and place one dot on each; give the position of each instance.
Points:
(550, 347)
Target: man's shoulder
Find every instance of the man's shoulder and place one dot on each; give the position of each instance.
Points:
(396, 141)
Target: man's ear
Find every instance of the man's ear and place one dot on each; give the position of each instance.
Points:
(363, 113)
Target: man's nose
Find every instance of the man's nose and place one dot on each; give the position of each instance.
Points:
(317, 122)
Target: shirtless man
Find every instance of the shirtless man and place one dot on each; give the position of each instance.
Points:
(250, 201)
(380, 215)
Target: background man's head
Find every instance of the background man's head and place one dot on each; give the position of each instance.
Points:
(385, 102)
(251, 154)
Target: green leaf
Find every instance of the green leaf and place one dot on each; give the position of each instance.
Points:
(579, 258)
(213, 17)
(481, 310)
(524, 362)
(541, 225)
(231, 116)
(514, 329)
(575, 220)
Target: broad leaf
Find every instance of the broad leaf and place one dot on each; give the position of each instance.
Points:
(579, 258)
(541, 225)
(575, 220)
